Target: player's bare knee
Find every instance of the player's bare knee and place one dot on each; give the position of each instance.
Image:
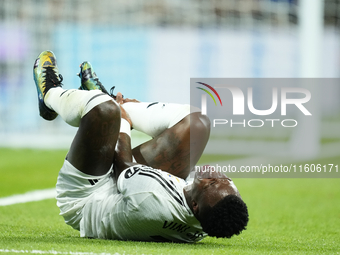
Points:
(206, 123)
(200, 123)
(106, 110)
(110, 109)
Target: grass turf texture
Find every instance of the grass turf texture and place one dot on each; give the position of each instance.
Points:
(287, 216)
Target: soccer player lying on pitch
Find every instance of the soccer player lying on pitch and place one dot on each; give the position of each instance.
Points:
(101, 191)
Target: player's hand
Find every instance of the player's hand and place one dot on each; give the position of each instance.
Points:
(120, 101)
(128, 100)
(123, 100)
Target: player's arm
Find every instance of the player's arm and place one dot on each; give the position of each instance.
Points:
(123, 155)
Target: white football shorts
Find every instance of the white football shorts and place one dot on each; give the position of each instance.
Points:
(75, 189)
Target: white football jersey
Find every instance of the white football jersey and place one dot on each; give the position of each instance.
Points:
(145, 204)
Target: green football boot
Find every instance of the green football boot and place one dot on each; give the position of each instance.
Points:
(90, 80)
(46, 76)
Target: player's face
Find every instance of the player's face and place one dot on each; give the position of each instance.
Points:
(209, 188)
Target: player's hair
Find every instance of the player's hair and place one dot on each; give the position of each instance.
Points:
(227, 218)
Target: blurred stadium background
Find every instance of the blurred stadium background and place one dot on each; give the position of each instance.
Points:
(150, 49)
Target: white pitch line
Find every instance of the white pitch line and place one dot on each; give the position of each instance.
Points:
(54, 252)
(31, 196)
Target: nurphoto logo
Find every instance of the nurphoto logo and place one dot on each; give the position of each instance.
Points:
(280, 98)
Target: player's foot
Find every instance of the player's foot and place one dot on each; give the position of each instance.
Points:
(90, 80)
(46, 76)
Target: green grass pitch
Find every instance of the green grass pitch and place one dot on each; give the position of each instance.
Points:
(287, 216)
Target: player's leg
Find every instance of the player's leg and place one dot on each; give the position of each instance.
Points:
(92, 149)
(177, 144)
(179, 137)
(95, 113)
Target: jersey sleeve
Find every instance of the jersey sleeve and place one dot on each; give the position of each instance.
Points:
(155, 207)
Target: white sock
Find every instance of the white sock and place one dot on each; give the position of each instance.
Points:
(73, 104)
(153, 118)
